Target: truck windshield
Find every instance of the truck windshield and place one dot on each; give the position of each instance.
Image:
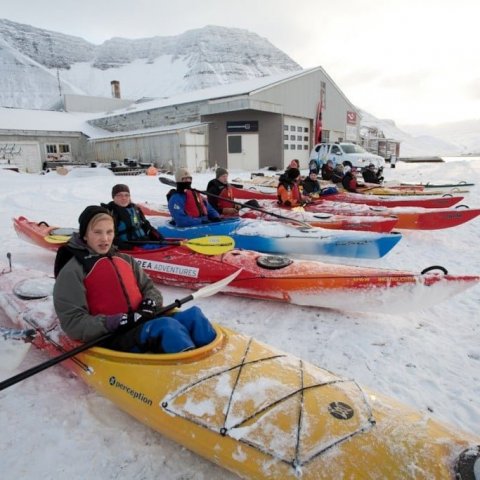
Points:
(352, 148)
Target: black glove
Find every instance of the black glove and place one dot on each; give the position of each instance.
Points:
(147, 308)
(121, 321)
(216, 219)
(154, 234)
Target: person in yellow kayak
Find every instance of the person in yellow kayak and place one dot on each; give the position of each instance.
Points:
(131, 227)
(100, 290)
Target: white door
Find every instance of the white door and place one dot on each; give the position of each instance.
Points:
(195, 152)
(242, 152)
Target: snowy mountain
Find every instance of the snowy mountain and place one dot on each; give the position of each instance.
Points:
(39, 65)
(465, 135)
(443, 140)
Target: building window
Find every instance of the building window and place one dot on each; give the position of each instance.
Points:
(292, 146)
(285, 127)
(305, 147)
(285, 146)
(305, 129)
(305, 139)
(292, 137)
(234, 144)
(299, 138)
(285, 137)
(292, 128)
(58, 151)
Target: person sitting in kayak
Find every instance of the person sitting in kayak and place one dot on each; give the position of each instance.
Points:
(349, 181)
(337, 174)
(222, 194)
(311, 186)
(187, 206)
(288, 191)
(370, 175)
(131, 226)
(327, 170)
(100, 290)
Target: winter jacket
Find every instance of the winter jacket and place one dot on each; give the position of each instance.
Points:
(288, 193)
(189, 208)
(349, 182)
(327, 172)
(311, 186)
(91, 286)
(131, 225)
(370, 176)
(222, 190)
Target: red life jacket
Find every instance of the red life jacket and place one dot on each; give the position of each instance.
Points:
(194, 206)
(226, 193)
(123, 293)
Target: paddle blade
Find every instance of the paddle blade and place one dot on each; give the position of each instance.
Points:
(14, 346)
(210, 245)
(58, 239)
(214, 288)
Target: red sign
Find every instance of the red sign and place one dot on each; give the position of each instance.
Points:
(352, 118)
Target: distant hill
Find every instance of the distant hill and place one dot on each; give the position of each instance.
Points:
(39, 65)
(443, 140)
(465, 135)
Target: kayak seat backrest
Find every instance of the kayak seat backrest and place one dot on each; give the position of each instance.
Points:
(64, 231)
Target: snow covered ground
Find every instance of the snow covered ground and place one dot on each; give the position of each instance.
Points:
(53, 427)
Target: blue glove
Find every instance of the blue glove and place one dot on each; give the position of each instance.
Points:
(121, 321)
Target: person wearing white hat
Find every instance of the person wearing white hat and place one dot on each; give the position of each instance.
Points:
(187, 206)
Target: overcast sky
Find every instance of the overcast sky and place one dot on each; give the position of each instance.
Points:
(414, 61)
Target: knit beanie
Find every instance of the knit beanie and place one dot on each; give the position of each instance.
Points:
(180, 173)
(220, 171)
(293, 173)
(120, 187)
(87, 215)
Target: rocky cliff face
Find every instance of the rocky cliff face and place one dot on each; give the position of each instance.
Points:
(39, 65)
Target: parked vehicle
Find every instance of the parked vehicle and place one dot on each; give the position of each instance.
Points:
(346, 153)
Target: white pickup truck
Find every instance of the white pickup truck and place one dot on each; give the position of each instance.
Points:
(344, 152)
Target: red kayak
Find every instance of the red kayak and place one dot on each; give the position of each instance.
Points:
(270, 277)
(429, 201)
(408, 218)
(369, 223)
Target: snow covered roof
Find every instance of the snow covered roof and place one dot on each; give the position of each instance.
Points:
(146, 131)
(220, 91)
(43, 120)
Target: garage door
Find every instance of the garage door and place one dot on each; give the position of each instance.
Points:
(25, 155)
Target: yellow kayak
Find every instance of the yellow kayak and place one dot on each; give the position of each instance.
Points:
(263, 413)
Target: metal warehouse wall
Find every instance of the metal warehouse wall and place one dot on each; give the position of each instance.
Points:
(155, 117)
(300, 96)
(167, 150)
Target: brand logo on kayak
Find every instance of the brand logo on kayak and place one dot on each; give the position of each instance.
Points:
(130, 391)
(340, 410)
(180, 270)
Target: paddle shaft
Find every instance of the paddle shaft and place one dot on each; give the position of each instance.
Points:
(167, 181)
(81, 348)
(201, 293)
